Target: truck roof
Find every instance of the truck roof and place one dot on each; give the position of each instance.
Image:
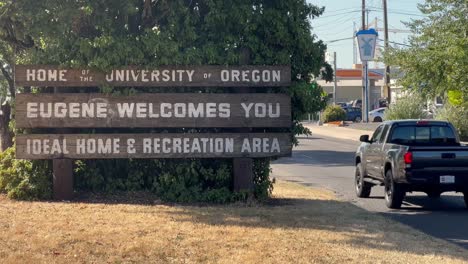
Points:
(416, 121)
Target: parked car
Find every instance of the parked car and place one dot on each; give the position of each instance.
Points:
(377, 115)
(412, 155)
(342, 104)
(356, 103)
(353, 114)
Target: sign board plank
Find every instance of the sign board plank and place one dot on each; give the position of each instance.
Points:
(152, 110)
(147, 146)
(164, 76)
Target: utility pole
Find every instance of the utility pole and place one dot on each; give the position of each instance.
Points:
(387, 67)
(364, 71)
(334, 82)
(363, 14)
(354, 43)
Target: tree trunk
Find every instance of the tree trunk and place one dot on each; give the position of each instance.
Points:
(6, 137)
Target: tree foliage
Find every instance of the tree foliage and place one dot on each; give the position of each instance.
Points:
(111, 33)
(410, 106)
(333, 113)
(437, 60)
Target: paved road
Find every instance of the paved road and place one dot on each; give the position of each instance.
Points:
(328, 162)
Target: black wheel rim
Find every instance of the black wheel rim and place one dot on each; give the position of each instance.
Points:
(358, 179)
(388, 189)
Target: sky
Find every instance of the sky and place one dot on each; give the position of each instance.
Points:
(337, 23)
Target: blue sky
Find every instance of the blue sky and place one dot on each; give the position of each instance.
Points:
(337, 23)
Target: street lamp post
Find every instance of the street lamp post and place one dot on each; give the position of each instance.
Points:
(366, 42)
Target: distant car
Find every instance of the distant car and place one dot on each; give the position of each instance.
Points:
(342, 104)
(377, 115)
(356, 103)
(353, 114)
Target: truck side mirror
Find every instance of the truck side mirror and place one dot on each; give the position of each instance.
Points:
(364, 138)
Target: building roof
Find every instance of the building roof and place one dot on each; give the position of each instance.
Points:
(356, 74)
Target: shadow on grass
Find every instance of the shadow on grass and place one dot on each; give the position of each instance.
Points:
(361, 228)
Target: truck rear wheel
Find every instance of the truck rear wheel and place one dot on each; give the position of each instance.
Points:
(363, 188)
(465, 195)
(394, 192)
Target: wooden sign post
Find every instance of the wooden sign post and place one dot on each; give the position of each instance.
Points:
(239, 111)
(243, 167)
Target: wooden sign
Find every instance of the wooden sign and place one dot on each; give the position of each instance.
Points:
(164, 76)
(145, 146)
(153, 110)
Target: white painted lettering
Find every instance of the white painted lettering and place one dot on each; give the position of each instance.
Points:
(141, 110)
(146, 145)
(276, 76)
(165, 113)
(247, 108)
(74, 111)
(190, 75)
(30, 75)
(101, 111)
(125, 109)
(31, 110)
(180, 110)
(275, 146)
(224, 110)
(246, 146)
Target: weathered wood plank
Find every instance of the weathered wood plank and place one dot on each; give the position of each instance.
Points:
(146, 146)
(164, 76)
(62, 179)
(152, 110)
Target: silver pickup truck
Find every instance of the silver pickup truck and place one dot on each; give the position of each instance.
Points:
(412, 155)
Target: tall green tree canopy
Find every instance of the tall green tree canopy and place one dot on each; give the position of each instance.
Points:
(103, 34)
(437, 60)
(110, 33)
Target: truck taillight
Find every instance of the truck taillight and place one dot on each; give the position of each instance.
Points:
(408, 157)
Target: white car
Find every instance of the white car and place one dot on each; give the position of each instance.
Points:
(377, 115)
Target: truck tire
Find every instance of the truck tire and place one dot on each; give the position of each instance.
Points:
(394, 192)
(465, 195)
(363, 188)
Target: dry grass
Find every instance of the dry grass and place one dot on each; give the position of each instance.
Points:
(301, 225)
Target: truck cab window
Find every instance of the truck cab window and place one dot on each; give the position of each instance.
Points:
(377, 133)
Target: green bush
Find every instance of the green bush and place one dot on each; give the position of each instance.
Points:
(173, 180)
(408, 107)
(23, 179)
(458, 116)
(333, 113)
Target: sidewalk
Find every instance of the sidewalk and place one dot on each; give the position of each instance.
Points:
(337, 132)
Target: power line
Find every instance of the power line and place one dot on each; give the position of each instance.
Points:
(338, 10)
(397, 43)
(336, 40)
(325, 27)
(334, 15)
(397, 12)
(339, 20)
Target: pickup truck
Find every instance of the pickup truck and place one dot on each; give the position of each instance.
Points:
(412, 156)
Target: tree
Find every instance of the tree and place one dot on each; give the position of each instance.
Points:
(112, 33)
(14, 40)
(437, 60)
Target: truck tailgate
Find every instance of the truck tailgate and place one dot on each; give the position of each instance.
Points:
(445, 166)
(455, 158)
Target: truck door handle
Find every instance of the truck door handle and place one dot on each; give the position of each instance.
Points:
(449, 155)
